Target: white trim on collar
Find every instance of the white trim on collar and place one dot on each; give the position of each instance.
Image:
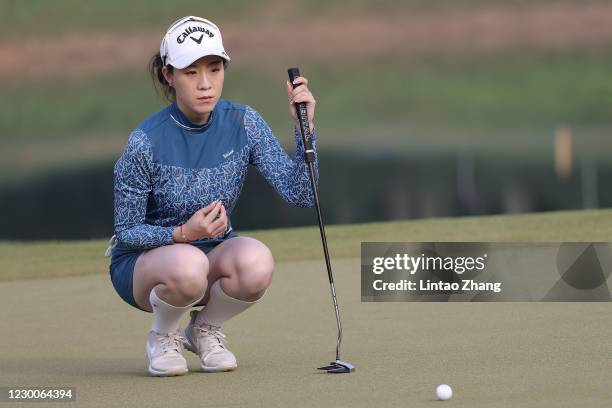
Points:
(187, 127)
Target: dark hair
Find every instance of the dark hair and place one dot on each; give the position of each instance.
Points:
(161, 85)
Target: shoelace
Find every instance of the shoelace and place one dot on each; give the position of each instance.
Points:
(170, 341)
(214, 338)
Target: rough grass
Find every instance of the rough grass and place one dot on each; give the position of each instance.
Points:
(56, 259)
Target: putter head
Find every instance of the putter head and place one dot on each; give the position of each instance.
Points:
(338, 367)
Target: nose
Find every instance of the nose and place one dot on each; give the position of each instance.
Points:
(203, 82)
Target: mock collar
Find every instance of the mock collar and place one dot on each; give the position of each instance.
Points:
(181, 120)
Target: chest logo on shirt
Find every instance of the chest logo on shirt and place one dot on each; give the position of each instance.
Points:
(228, 154)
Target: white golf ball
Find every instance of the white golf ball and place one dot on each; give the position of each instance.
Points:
(444, 392)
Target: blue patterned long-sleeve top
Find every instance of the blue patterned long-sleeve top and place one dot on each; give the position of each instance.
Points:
(171, 168)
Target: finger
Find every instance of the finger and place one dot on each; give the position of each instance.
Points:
(221, 219)
(302, 92)
(302, 96)
(212, 215)
(307, 98)
(214, 232)
(222, 214)
(299, 89)
(209, 207)
(217, 225)
(289, 89)
(220, 231)
(223, 226)
(300, 80)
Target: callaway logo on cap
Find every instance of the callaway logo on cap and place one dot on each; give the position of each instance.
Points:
(190, 38)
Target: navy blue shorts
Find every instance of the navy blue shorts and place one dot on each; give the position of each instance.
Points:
(122, 268)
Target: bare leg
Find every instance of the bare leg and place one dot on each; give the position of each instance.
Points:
(177, 272)
(239, 273)
(244, 266)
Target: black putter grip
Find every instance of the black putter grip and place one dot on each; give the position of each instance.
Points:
(302, 115)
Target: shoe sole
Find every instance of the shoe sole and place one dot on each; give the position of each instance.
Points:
(173, 373)
(206, 369)
(218, 369)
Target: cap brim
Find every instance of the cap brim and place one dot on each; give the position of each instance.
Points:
(185, 61)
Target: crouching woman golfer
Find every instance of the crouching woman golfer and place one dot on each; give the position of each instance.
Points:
(176, 184)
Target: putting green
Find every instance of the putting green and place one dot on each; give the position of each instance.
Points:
(75, 331)
(29, 260)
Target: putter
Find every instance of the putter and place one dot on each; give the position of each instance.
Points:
(338, 366)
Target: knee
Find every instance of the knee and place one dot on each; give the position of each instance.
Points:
(189, 276)
(255, 269)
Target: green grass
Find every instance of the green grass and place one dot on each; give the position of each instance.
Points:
(506, 104)
(56, 259)
(60, 16)
(538, 91)
(491, 90)
(73, 108)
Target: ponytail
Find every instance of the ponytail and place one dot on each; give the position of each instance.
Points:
(161, 85)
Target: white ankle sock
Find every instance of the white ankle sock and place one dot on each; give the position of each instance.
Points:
(166, 317)
(221, 307)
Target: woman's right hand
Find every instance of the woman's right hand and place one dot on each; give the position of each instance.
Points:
(207, 222)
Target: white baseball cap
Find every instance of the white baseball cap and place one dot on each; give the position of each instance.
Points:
(190, 38)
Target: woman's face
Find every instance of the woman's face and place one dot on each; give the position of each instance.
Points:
(198, 87)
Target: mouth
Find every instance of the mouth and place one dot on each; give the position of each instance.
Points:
(206, 98)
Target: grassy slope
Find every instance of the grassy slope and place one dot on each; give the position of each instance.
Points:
(492, 103)
(514, 89)
(53, 259)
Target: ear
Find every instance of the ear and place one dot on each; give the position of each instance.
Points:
(167, 75)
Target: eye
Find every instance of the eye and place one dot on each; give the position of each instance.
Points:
(216, 69)
(190, 73)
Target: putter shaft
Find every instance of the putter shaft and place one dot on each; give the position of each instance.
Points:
(338, 366)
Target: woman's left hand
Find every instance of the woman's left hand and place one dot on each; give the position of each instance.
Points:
(301, 93)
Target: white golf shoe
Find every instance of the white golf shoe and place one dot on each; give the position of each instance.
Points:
(164, 352)
(210, 345)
